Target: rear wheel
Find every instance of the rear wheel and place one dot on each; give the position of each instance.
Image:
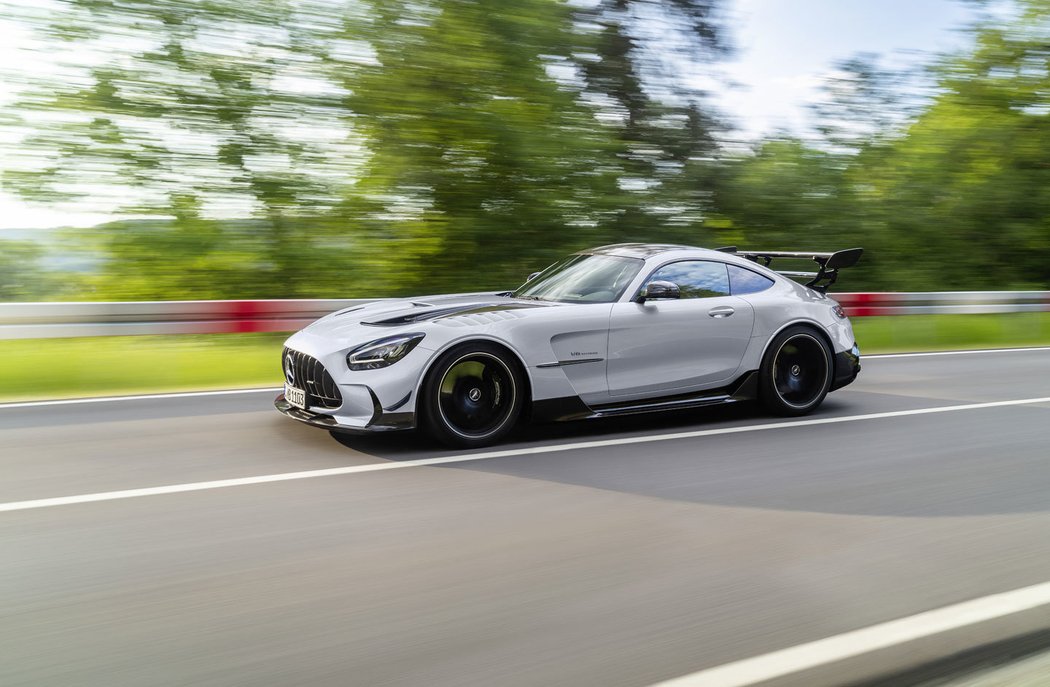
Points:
(796, 372)
(472, 396)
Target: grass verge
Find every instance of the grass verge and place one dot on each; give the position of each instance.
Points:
(103, 366)
(99, 366)
(913, 333)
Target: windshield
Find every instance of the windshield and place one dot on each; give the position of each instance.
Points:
(582, 279)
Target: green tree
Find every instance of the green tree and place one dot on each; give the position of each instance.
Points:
(641, 74)
(950, 192)
(862, 101)
(186, 113)
(483, 165)
(22, 277)
(969, 184)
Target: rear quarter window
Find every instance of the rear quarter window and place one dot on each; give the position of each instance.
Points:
(743, 281)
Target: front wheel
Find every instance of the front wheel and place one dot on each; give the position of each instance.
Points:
(472, 396)
(796, 372)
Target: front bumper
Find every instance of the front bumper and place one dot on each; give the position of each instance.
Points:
(847, 367)
(381, 421)
(371, 401)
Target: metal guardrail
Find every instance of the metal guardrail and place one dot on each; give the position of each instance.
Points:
(54, 320)
(113, 318)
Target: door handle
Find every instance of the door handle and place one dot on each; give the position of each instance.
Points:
(720, 312)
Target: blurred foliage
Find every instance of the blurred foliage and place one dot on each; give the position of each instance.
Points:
(480, 162)
(862, 101)
(184, 112)
(967, 191)
(310, 148)
(637, 75)
(22, 277)
(955, 197)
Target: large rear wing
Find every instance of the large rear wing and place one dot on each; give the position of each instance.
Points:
(829, 264)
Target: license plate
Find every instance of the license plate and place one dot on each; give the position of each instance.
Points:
(297, 397)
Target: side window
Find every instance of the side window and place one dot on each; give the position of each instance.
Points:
(696, 278)
(745, 281)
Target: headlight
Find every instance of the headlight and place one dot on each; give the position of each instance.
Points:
(382, 353)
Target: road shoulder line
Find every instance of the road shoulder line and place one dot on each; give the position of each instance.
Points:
(488, 455)
(803, 657)
(972, 351)
(140, 397)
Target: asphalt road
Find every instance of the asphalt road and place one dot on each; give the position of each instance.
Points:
(614, 564)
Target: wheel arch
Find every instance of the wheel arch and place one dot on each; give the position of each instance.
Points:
(771, 396)
(500, 343)
(807, 323)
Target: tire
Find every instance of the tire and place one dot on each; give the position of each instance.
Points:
(472, 396)
(796, 372)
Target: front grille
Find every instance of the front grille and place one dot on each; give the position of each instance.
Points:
(308, 373)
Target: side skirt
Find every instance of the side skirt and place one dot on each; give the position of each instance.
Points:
(745, 388)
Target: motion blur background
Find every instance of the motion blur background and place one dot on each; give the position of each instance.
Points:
(198, 150)
(173, 149)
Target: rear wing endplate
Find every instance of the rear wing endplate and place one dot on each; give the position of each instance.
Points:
(829, 264)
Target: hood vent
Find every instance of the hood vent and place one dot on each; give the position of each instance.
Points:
(438, 313)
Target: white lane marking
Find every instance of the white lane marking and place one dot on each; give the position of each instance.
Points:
(143, 397)
(751, 671)
(488, 455)
(970, 352)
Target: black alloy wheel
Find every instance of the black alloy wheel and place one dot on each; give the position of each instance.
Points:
(796, 372)
(472, 396)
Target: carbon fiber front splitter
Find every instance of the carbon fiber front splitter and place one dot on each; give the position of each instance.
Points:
(383, 422)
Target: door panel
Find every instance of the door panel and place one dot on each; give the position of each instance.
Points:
(676, 346)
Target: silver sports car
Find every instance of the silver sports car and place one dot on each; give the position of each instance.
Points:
(616, 330)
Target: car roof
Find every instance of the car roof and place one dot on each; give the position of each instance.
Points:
(671, 252)
(642, 250)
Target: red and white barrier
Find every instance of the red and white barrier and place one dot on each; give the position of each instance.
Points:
(943, 303)
(52, 320)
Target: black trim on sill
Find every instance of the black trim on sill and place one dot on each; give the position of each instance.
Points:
(743, 388)
(651, 406)
(560, 409)
(565, 408)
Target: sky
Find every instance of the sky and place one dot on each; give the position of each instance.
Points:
(782, 49)
(785, 46)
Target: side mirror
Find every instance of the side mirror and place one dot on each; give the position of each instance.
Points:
(659, 290)
(531, 277)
